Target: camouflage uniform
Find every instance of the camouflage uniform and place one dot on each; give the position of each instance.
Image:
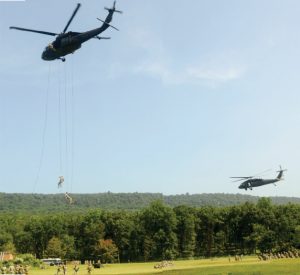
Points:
(64, 267)
(76, 269)
(58, 270)
(89, 269)
(60, 182)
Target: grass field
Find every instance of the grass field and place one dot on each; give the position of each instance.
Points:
(218, 266)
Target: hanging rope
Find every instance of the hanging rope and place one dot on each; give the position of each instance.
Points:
(65, 115)
(66, 122)
(72, 124)
(66, 131)
(60, 125)
(44, 131)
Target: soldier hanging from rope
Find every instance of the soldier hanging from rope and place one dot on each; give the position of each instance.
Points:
(60, 182)
(68, 198)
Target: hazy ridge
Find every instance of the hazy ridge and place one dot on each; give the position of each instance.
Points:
(18, 202)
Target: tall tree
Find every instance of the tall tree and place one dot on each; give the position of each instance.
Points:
(91, 230)
(185, 231)
(159, 225)
(107, 251)
(55, 249)
(118, 227)
(38, 236)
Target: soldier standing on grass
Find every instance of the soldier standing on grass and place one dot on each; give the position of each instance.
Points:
(3, 269)
(26, 269)
(89, 268)
(11, 269)
(76, 269)
(58, 270)
(21, 269)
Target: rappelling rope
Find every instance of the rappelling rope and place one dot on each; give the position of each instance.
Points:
(72, 125)
(60, 125)
(66, 127)
(44, 131)
(66, 123)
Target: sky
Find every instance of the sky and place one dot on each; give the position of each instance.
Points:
(185, 95)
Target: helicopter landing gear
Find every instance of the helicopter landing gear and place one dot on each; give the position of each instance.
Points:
(63, 59)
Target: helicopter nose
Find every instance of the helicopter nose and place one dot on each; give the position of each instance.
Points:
(44, 55)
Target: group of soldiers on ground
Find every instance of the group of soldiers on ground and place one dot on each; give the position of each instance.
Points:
(278, 255)
(62, 269)
(237, 258)
(15, 269)
(163, 264)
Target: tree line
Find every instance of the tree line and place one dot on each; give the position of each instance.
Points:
(157, 232)
(51, 203)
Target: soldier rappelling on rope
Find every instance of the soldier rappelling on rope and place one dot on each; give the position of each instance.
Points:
(61, 181)
(68, 198)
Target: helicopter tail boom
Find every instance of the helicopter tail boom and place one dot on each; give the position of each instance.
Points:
(108, 25)
(280, 173)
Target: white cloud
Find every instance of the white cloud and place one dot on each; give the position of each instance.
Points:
(216, 75)
(189, 75)
(155, 59)
(157, 70)
(146, 40)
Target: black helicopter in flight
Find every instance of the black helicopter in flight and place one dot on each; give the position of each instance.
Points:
(252, 181)
(68, 42)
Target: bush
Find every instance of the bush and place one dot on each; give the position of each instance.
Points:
(18, 260)
(27, 259)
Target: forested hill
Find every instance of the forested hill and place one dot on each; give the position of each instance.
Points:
(126, 201)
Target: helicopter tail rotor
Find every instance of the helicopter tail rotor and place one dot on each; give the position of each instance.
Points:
(113, 9)
(280, 171)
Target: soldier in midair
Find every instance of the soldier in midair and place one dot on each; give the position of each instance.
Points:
(60, 182)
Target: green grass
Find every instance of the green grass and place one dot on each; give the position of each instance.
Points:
(217, 266)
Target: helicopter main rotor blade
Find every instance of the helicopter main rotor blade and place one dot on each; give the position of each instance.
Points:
(30, 30)
(261, 173)
(241, 177)
(249, 177)
(73, 15)
(239, 180)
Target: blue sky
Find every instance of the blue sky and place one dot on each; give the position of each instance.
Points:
(187, 94)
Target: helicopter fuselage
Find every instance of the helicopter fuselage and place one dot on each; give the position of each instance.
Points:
(67, 43)
(256, 182)
(51, 53)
